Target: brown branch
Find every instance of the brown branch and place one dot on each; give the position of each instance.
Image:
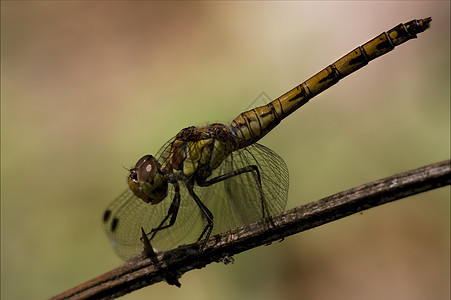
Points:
(141, 271)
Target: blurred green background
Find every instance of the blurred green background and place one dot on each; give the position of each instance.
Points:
(90, 87)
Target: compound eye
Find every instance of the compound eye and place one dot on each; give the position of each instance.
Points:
(146, 182)
(146, 171)
(142, 160)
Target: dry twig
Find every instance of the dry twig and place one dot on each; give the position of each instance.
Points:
(141, 271)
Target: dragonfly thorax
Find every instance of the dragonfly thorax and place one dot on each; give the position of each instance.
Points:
(147, 182)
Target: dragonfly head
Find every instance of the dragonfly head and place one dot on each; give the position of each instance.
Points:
(147, 182)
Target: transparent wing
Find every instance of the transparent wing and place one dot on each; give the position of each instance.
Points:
(129, 213)
(236, 201)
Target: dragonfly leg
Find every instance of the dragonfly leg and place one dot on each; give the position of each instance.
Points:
(148, 249)
(253, 169)
(172, 212)
(207, 215)
(248, 169)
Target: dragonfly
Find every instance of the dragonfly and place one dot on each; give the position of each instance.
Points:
(212, 178)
